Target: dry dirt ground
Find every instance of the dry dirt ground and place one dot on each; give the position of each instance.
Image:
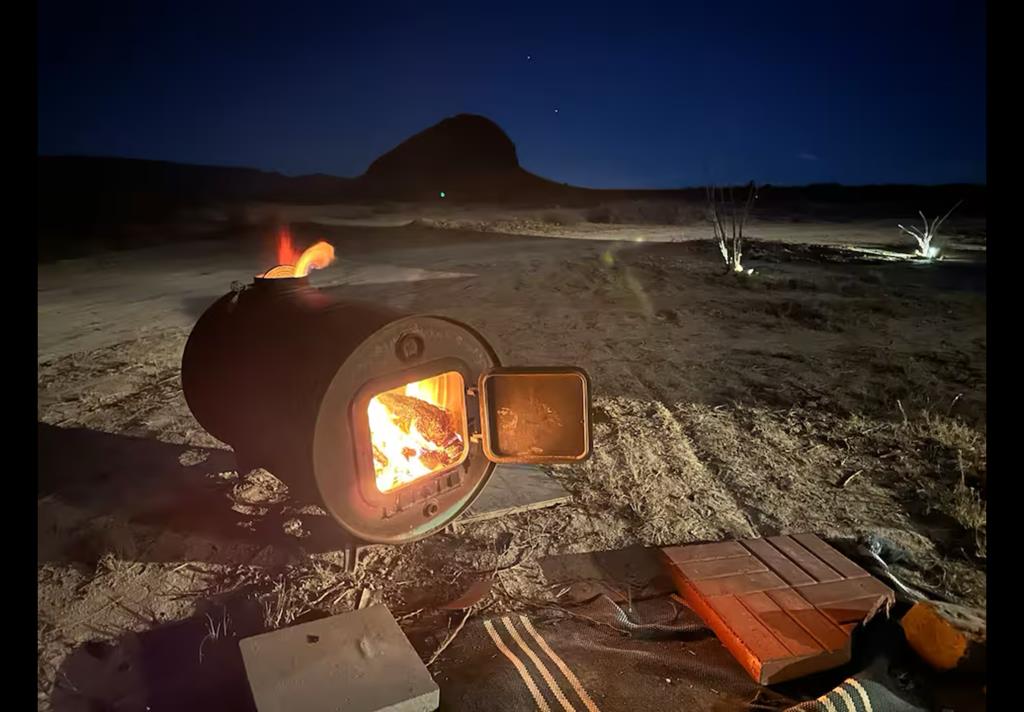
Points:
(723, 407)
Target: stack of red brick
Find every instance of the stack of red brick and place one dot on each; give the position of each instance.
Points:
(785, 606)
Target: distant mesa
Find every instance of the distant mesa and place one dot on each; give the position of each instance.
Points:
(459, 148)
(468, 157)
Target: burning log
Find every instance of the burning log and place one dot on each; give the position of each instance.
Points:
(414, 431)
(379, 458)
(432, 422)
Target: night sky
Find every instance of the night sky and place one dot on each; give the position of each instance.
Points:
(604, 95)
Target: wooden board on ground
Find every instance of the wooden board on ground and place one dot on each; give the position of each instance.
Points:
(784, 606)
(515, 488)
(622, 575)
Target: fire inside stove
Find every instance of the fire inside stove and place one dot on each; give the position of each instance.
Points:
(418, 429)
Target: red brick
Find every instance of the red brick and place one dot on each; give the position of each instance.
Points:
(781, 624)
(740, 583)
(777, 562)
(713, 568)
(830, 556)
(854, 611)
(745, 626)
(821, 594)
(823, 629)
(807, 561)
(784, 607)
(702, 552)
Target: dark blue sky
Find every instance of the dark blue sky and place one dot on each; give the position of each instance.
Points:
(647, 95)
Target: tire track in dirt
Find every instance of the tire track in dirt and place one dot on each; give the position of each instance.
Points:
(731, 509)
(645, 469)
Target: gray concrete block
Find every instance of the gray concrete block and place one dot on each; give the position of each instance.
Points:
(358, 661)
(515, 488)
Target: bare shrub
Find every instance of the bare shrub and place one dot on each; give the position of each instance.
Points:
(728, 219)
(924, 235)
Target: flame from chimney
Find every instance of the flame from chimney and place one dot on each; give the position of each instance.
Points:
(293, 264)
(286, 254)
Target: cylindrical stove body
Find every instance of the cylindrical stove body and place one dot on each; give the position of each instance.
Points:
(280, 372)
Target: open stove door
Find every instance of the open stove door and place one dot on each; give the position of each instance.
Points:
(535, 415)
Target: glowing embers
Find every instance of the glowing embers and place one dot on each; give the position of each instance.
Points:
(417, 429)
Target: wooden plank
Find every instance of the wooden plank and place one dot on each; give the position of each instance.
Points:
(777, 562)
(515, 488)
(807, 561)
(830, 556)
(621, 574)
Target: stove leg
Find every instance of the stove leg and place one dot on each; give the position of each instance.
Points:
(351, 556)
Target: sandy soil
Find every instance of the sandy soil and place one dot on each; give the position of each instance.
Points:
(724, 407)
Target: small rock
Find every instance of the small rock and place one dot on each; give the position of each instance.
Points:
(193, 457)
(259, 487)
(293, 527)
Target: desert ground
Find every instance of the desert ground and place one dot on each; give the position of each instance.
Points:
(724, 406)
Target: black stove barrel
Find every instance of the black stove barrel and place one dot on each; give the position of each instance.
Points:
(258, 361)
(285, 375)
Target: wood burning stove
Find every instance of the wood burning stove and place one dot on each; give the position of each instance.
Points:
(393, 421)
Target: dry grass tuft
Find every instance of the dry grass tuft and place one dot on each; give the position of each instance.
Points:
(807, 315)
(969, 509)
(952, 444)
(645, 470)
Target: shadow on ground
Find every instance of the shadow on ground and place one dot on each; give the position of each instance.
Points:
(146, 500)
(195, 305)
(193, 664)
